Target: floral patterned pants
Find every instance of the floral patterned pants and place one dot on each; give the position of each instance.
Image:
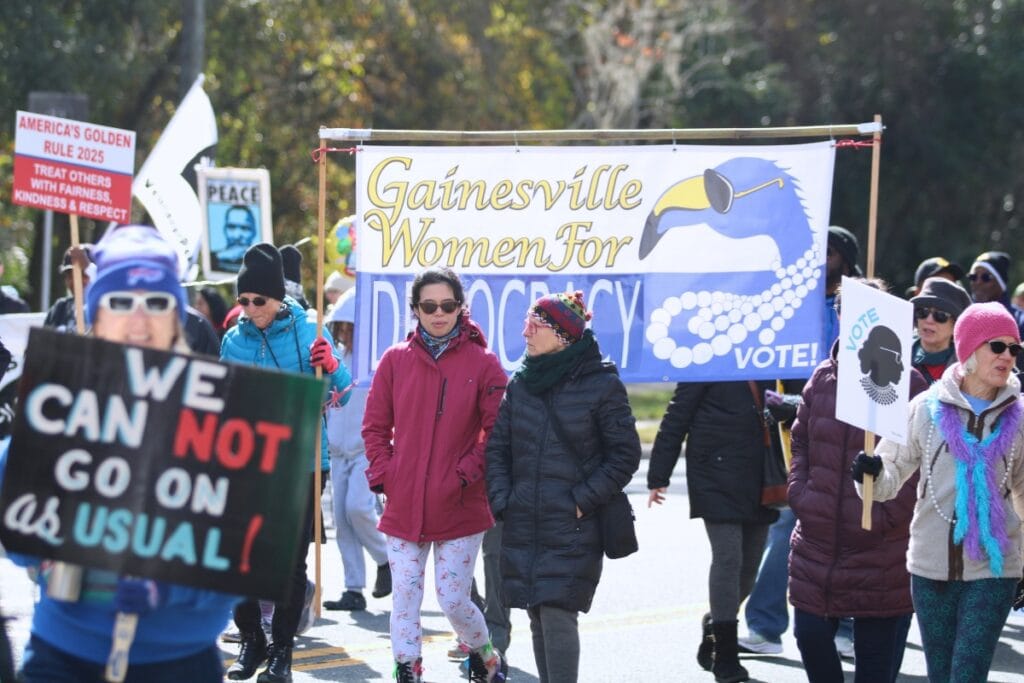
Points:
(454, 563)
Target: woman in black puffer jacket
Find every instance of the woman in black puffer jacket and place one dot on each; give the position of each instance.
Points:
(551, 552)
(725, 450)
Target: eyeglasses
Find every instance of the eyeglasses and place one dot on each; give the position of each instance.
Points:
(984, 277)
(125, 303)
(937, 315)
(448, 306)
(257, 301)
(998, 347)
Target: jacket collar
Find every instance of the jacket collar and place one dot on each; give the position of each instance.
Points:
(948, 389)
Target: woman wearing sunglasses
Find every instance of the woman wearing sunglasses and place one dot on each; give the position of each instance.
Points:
(965, 537)
(936, 309)
(273, 332)
(432, 403)
(134, 298)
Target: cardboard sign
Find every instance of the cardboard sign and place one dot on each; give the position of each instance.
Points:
(874, 360)
(236, 207)
(160, 465)
(73, 167)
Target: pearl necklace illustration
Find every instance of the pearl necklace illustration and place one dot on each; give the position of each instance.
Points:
(724, 320)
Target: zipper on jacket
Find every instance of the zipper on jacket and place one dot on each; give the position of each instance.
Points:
(440, 399)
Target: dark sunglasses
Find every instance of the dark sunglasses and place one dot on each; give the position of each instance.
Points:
(998, 347)
(448, 306)
(124, 303)
(984, 277)
(255, 301)
(937, 315)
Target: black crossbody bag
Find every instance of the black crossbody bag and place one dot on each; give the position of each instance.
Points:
(615, 518)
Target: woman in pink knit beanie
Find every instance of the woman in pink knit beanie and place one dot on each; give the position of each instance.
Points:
(965, 538)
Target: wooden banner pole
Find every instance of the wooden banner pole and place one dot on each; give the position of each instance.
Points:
(868, 488)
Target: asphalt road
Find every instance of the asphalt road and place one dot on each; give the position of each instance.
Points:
(644, 625)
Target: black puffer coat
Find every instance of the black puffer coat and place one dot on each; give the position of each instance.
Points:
(725, 450)
(548, 556)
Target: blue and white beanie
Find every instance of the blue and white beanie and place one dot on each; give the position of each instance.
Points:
(131, 257)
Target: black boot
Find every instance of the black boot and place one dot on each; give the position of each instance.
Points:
(279, 667)
(727, 668)
(382, 586)
(252, 653)
(706, 650)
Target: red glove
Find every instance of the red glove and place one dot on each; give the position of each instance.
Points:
(321, 354)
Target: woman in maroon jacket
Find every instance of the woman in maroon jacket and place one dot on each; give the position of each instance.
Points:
(836, 568)
(431, 407)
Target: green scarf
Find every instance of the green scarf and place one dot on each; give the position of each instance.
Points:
(540, 373)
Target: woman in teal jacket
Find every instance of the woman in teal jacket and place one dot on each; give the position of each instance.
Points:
(273, 332)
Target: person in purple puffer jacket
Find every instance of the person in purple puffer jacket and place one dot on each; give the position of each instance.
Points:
(836, 568)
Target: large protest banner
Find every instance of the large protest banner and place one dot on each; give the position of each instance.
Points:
(699, 262)
(161, 465)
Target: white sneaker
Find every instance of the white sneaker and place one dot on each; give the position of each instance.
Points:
(844, 646)
(755, 643)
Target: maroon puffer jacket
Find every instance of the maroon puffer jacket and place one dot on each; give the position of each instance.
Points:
(837, 569)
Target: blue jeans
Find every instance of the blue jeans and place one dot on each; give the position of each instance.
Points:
(45, 663)
(878, 647)
(767, 612)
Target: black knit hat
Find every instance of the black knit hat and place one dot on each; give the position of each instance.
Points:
(843, 241)
(997, 263)
(261, 272)
(291, 259)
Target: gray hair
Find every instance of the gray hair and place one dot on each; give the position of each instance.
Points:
(970, 366)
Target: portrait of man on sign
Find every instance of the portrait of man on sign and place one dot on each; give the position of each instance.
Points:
(239, 234)
(235, 203)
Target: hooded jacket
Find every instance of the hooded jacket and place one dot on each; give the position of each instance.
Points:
(932, 553)
(836, 568)
(548, 556)
(425, 428)
(284, 345)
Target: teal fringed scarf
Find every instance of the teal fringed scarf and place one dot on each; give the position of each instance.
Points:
(540, 373)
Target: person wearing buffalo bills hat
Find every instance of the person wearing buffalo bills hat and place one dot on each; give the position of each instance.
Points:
(134, 298)
(273, 332)
(936, 266)
(963, 436)
(936, 308)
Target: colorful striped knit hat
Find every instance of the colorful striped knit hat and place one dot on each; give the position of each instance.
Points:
(564, 313)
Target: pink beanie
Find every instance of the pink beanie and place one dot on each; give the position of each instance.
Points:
(980, 323)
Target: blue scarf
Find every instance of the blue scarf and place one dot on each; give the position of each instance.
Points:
(437, 345)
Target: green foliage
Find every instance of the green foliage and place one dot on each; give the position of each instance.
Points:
(944, 75)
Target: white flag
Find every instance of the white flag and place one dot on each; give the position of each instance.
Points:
(162, 186)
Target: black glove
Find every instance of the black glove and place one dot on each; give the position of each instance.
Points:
(1018, 599)
(780, 407)
(865, 464)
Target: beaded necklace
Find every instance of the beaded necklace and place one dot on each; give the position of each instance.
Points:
(979, 519)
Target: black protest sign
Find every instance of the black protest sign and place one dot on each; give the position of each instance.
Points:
(161, 465)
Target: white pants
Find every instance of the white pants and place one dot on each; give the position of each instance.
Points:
(454, 562)
(355, 520)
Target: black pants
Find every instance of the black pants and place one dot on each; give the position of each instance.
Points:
(288, 612)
